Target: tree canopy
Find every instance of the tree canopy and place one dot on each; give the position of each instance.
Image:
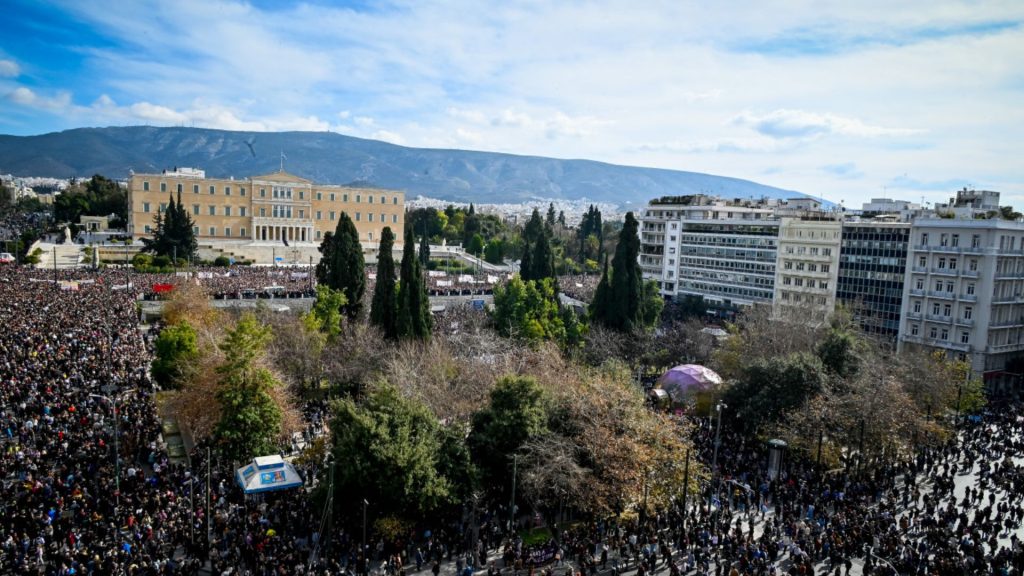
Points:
(341, 265)
(384, 307)
(414, 321)
(174, 233)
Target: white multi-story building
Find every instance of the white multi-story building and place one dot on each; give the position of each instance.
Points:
(807, 271)
(721, 250)
(964, 292)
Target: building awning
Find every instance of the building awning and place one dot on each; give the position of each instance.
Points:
(267, 473)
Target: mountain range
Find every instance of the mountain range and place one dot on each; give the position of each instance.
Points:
(331, 158)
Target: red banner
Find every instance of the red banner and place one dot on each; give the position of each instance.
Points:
(161, 288)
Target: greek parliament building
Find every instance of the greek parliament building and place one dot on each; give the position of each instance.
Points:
(269, 210)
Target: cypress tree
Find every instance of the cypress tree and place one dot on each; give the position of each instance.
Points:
(384, 307)
(618, 300)
(550, 221)
(424, 251)
(543, 259)
(342, 266)
(526, 264)
(414, 320)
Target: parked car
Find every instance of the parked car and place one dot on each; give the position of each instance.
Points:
(6, 258)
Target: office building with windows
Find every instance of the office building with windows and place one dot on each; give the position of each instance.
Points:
(872, 266)
(964, 292)
(722, 250)
(272, 208)
(808, 267)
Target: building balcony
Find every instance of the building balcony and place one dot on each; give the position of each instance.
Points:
(940, 319)
(969, 273)
(942, 295)
(944, 271)
(920, 269)
(1007, 299)
(1007, 323)
(937, 343)
(915, 292)
(963, 322)
(915, 315)
(968, 297)
(1008, 276)
(1003, 348)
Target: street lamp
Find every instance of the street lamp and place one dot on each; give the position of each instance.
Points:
(365, 555)
(714, 458)
(117, 451)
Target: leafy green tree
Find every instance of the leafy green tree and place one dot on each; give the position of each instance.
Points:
(530, 310)
(470, 228)
(494, 252)
(652, 305)
(838, 353)
(549, 221)
(516, 413)
(175, 348)
(390, 450)
(543, 260)
(325, 315)
(384, 307)
(476, 245)
(250, 420)
(342, 266)
(769, 388)
(414, 320)
(590, 225)
(534, 228)
(561, 218)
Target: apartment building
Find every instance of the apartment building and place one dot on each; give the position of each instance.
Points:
(964, 292)
(722, 250)
(872, 266)
(271, 208)
(807, 270)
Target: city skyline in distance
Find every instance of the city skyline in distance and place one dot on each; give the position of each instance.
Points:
(845, 102)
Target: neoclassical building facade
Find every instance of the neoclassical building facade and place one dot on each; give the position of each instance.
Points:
(271, 208)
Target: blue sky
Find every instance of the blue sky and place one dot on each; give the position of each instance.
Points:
(846, 100)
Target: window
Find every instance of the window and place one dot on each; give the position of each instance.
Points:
(786, 280)
(241, 192)
(965, 337)
(947, 310)
(914, 329)
(369, 236)
(924, 238)
(826, 251)
(227, 210)
(956, 240)
(302, 213)
(145, 186)
(970, 289)
(917, 306)
(382, 218)
(344, 197)
(949, 287)
(319, 215)
(163, 186)
(213, 210)
(942, 263)
(369, 215)
(922, 262)
(383, 200)
(933, 333)
(180, 188)
(358, 216)
(943, 239)
(213, 231)
(195, 230)
(798, 281)
(263, 212)
(394, 200)
(195, 188)
(302, 195)
(935, 309)
(213, 190)
(359, 198)
(241, 212)
(317, 234)
(814, 251)
(241, 232)
(823, 285)
(332, 196)
(148, 229)
(788, 265)
(227, 231)
(976, 241)
(394, 218)
(332, 215)
(952, 263)
(812, 267)
(938, 286)
(195, 209)
(227, 192)
(145, 207)
(968, 312)
(263, 192)
(163, 207)
(973, 265)
(944, 335)
(319, 196)
(824, 267)
(369, 199)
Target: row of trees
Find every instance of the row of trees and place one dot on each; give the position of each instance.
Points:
(173, 232)
(97, 196)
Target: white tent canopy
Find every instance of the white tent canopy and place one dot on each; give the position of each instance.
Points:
(266, 473)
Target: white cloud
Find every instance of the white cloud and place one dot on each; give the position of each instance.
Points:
(785, 123)
(474, 116)
(27, 97)
(159, 114)
(9, 68)
(363, 121)
(388, 136)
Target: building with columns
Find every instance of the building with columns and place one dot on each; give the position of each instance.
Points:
(274, 209)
